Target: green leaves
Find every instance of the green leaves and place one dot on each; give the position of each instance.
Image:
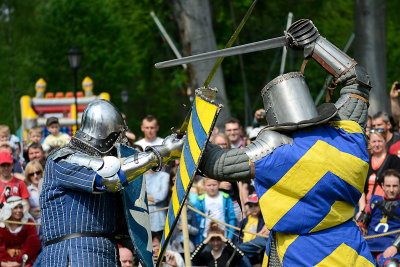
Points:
(120, 44)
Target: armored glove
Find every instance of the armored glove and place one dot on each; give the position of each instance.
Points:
(170, 149)
(301, 33)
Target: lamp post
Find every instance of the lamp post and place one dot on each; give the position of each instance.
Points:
(124, 98)
(74, 58)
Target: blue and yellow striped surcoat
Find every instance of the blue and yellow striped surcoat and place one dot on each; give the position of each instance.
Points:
(307, 194)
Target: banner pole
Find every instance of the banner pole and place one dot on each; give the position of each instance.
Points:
(186, 240)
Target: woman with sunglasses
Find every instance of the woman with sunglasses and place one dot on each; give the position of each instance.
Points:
(379, 161)
(33, 174)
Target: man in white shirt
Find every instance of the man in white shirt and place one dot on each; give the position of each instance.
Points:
(233, 131)
(149, 128)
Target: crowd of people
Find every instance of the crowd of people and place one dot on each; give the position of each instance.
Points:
(215, 203)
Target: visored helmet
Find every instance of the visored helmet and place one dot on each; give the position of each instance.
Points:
(102, 126)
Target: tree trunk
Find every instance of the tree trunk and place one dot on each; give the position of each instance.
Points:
(194, 20)
(370, 49)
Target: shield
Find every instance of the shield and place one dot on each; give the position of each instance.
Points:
(201, 123)
(137, 213)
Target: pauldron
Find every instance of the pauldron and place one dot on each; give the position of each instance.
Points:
(266, 142)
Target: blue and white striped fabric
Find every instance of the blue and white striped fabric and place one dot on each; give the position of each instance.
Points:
(68, 205)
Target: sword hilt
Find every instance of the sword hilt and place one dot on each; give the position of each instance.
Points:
(24, 260)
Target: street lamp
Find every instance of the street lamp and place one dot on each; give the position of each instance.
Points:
(124, 98)
(74, 58)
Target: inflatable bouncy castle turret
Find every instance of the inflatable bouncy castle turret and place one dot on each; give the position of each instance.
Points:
(35, 110)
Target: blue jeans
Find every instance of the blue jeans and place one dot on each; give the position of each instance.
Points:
(252, 249)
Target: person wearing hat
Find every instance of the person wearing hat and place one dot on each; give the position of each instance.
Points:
(309, 165)
(18, 243)
(252, 245)
(9, 185)
(56, 138)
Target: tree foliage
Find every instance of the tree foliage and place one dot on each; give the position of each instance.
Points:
(120, 44)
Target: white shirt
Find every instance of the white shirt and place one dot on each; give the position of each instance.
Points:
(157, 184)
(213, 208)
(143, 143)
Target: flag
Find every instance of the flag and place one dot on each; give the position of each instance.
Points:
(201, 123)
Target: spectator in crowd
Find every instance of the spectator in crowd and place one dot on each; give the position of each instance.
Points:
(380, 161)
(17, 240)
(125, 257)
(157, 184)
(222, 140)
(56, 138)
(17, 169)
(216, 204)
(214, 133)
(131, 138)
(394, 102)
(223, 252)
(233, 189)
(35, 135)
(33, 175)
(13, 140)
(9, 185)
(253, 246)
(383, 216)
(36, 153)
(149, 128)
(233, 131)
(259, 118)
(177, 237)
(171, 258)
(381, 120)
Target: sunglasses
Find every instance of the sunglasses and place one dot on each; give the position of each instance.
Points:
(33, 173)
(377, 130)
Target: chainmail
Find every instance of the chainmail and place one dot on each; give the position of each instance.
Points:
(273, 258)
(80, 146)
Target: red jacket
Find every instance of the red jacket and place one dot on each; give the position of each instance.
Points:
(27, 240)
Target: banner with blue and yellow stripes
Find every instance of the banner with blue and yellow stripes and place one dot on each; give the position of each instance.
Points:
(201, 123)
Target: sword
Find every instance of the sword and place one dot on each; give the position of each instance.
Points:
(299, 34)
(232, 51)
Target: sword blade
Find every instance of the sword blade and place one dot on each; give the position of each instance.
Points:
(237, 50)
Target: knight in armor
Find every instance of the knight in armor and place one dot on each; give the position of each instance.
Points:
(309, 164)
(80, 188)
(383, 216)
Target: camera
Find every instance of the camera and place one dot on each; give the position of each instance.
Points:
(397, 86)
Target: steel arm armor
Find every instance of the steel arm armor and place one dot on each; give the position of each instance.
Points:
(235, 164)
(353, 101)
(113, 176)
